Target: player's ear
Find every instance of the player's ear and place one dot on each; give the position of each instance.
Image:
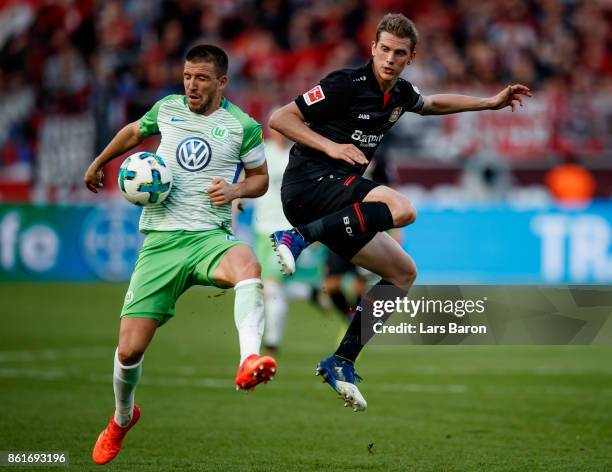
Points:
(373, 48)
(222, 82)
(412, 56)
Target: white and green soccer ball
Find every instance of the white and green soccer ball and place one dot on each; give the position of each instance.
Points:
(144, 179)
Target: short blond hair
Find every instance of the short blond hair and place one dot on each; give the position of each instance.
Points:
(400, 26)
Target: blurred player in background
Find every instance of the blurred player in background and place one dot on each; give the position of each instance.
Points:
(336, 268)
(337, 126)
(206, 141)
(268, 216)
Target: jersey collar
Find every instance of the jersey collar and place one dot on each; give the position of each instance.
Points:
(223, 104)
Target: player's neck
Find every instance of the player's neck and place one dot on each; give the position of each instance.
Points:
(385, 85)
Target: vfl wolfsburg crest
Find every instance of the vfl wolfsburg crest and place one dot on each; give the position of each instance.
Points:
(219, 132)
(395, 114)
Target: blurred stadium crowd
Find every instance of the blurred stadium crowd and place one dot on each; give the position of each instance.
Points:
(74, 71)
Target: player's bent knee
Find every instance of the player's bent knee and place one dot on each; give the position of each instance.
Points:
(249, 269)
(129, 355)
(403, 213)
(402, 210)
(409, 277)
(405, 275)
(405, 280)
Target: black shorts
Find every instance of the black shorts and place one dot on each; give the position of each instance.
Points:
(316, 196)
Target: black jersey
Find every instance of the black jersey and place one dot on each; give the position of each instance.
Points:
(348, 107)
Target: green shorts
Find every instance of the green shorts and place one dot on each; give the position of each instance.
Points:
(168, 264)
(270, 268)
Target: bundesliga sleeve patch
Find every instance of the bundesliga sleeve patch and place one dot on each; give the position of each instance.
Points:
(314, 95)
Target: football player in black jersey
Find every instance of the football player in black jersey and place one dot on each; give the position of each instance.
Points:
(337, 126)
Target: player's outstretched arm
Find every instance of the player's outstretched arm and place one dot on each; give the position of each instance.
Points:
(127, 138)
(290, 122)
(254, 185)
(445, 104)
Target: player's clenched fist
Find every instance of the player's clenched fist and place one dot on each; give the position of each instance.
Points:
(348, 153)
(220, 192)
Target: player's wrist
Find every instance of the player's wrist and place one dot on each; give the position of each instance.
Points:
(327, 146)
(235, 192)
(330, 149)
(489, 103)
(94, 166)
(100, 161)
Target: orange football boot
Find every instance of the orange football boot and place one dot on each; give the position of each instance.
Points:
(110, 440)
(254, 370)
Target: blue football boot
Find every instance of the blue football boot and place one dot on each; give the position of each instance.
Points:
(288, 245)
(341, 376)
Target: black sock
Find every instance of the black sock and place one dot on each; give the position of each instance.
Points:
(340, 302)
(356, 337)
(358, 218)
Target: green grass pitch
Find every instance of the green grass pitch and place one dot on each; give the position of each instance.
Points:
(430, 408)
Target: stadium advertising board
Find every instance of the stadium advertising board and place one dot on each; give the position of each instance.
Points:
(502, 246)
(473, 246)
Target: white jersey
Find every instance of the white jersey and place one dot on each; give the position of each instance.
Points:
(269, 216)
(197, 149)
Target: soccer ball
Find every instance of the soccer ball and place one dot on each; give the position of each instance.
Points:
(144, 179)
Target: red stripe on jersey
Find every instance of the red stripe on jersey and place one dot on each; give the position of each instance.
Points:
(360, 216)
(386, 97)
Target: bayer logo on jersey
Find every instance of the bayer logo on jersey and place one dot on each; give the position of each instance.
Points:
(193, 154)
(144, 179)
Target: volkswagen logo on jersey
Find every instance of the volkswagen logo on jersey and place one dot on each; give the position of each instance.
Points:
(193, 154)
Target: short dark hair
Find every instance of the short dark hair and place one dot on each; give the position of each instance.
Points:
(209, 53)
(400, 26)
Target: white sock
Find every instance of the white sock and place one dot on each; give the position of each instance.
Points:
(125, 379)
(249, 316)
(276, 313)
